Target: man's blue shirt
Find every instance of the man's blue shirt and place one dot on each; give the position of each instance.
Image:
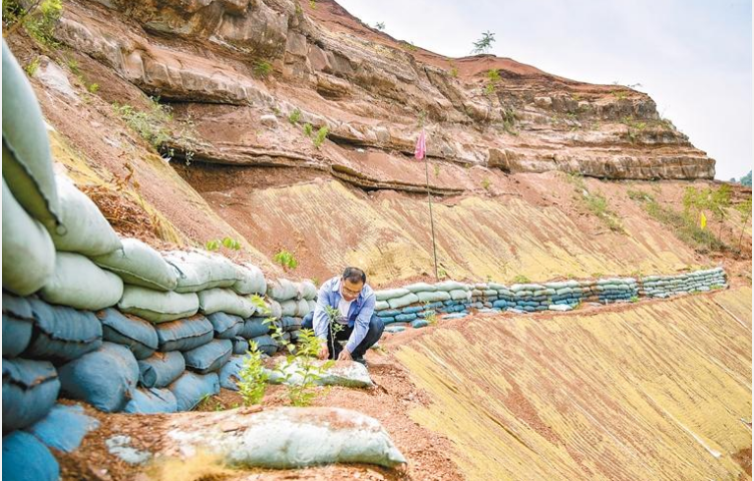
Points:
(359, 313)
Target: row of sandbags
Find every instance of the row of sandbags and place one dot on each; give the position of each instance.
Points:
(699, 281)
(410, 303)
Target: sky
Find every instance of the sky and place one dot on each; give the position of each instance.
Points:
(693, 57)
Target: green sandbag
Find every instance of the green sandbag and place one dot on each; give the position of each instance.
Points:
(141, 265)
(156, 306)
(433, 296)
(87, 230)
(420, 287)
(289, 308)
(381, 306)
(27, 161)
(198, 271)
(387, 294)
(225, 300)
(28, 253)
(403, 301)
(78, 282)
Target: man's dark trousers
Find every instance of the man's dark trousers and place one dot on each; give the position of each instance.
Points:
(374, 333)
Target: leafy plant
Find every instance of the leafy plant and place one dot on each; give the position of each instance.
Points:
(509, 121)
(295, 116)
(320, 137)
(93, 88)
(286, 259)
(486, 184)
(484, 44)
(380, 26)
(431, 317)
(305, 364)
(634, 299)
(227, 242)
(253, 378)
(308, 129)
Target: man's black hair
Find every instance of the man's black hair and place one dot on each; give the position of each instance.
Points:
(354, 274)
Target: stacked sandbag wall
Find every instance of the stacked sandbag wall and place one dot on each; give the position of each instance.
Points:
(109, 321)
(409, 305)
(680, 284)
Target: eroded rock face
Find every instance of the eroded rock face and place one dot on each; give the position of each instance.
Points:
(267, 58)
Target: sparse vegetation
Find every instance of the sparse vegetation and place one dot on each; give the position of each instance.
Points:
(379, 26)
(437, 170)
(286, 259)
(252, 382)
(295, 116)
(410, 46)
(150, 125)
(595, 203)
(39, 20)
(431, 317)
(302, 394)
(320, 137)
(32, 67)
(262, 68)
(744, 209)
(521, 279)
(227, 242)
(635, 127)
(486, 184)
(484, 44)
(93, 88)
(509, 121)
(493, 77)
(308, 129)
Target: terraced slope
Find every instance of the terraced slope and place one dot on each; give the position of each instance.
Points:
(658, 391)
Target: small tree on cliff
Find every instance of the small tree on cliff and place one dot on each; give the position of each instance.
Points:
(484, 44)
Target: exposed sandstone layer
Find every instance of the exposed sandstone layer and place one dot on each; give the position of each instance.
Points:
(210, 59)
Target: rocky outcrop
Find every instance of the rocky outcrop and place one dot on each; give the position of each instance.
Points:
(276, 57)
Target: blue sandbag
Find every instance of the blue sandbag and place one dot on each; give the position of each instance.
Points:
(229, 373)
(27, 459)
(30, 389)
(394, 329)
(191, 388)
(255, 327)
(184, 334)
(152, 401)
(64, 428)
(412, 310)
(391, 312)
(291, 323)
(226, 326)
(419, 323)
(18, 321)
(62, 334)
(209, 357)
(240, 345)
(104, 378)
(133, 332)
(266, 344)
(161, 369)
(405, 317)
(387, 320)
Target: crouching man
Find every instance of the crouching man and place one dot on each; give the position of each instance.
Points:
(350, 301)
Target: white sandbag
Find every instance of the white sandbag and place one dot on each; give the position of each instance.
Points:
(87, 232)
(302, 308)
(141, 265)
(285, 438)
(452, 286)
(225, 300)
(28, 251)
(288, 308)
(282, 290)
(387, 294)
(420, 287)
(341, 373)
(198, 270)
(250, 280)
(408, 299)
(156, 306)
(78, 282)
(307, 290)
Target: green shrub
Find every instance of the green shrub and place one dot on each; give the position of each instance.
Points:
(521, 279)
(150, 125)
(307, 366)
(32, 67)
(286, 259)
(308, 129)
(252, 382)
(263, 68)
(39, 20)
(295, 116)
(320, 137)
(486, 184)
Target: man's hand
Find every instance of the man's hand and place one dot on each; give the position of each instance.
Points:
(345, 355)
(324, 353)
